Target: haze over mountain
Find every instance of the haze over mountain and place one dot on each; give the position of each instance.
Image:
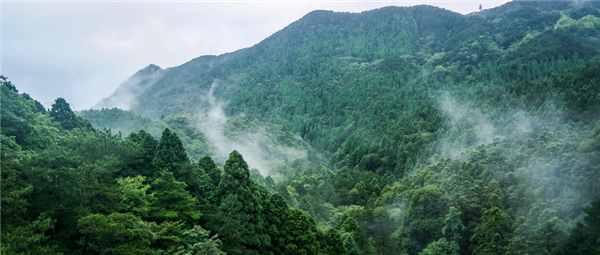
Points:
(400, 130)
(126, 93)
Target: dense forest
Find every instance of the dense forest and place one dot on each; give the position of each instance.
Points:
(393, 131)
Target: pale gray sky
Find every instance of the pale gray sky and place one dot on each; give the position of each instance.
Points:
(83, 50)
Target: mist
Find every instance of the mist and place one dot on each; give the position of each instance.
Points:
(530, 151)
(468, 127)
(253, 142)
(125, 95)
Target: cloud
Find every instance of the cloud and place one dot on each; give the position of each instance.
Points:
(254, 143)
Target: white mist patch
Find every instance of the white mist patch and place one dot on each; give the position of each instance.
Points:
(468, 127)
(253, 142)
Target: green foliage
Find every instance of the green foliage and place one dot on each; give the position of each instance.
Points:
(584, 237)
(172, 202)
(351, 246)
(141, 151)
(27, 239)
(335, 245)
(8, 84)
(301, 234)
(196, 241)
(62, 113)
(447, 245)
(426, 132)
(441, 246)
(126, 122)
(424, 218)
(170, 153)
(116, 233)
(491, 236)
(240, 202)
(15, 189)
(133, 195)
(210, 168)
(277, 213)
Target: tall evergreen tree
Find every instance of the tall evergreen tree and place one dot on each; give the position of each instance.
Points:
(211, 169)
(334, 245)
(584, 237)
(302, 234)
(491, 236)
(62, 113)
(149, 145)
(240, 202)
(277, 212)
(172, 202)
(170, 153)
(142, 152)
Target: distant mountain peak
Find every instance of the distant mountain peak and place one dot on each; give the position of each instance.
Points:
(126, 93)
(148, 70)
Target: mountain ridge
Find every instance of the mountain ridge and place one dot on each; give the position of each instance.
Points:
(321, 60)
(395, 131)
(131, 88)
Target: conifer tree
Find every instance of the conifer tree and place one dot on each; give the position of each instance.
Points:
(170, 153)
(197, 241)
(62, 113)
(334, 245)
(116, 233)
(277, 212)
(144, 150)
(351, 246)
(240, 202)
(302, 234)
(447, 245)
(584, 237)
(490, 237)
(172, 202)
(211, 169)
(149, 145)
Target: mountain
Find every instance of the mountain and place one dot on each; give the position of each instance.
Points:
(337, 79)
(398, 130)
(159, 80)
(126, 93)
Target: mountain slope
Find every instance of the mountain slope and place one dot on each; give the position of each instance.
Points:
(440, 132)
(126, 93)
(366, 73)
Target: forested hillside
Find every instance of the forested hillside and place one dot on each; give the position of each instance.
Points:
(392, 131)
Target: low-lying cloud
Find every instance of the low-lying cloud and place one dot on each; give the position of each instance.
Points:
(255, 143)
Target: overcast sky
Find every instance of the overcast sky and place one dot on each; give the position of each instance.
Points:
(83, 50)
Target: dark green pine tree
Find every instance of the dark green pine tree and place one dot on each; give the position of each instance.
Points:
(359, 236)
(199, 183)
(491, 236)
(282, 190)
(240, 203)
(351, 246)
(334, 245)
(447, 245)
(584, 237)
(172, 202)
(149, 145)
(170, 153)
(142, 153)
(211, 169)
(302, 234)
(277, 212)
(5, 82)
(62, 113)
